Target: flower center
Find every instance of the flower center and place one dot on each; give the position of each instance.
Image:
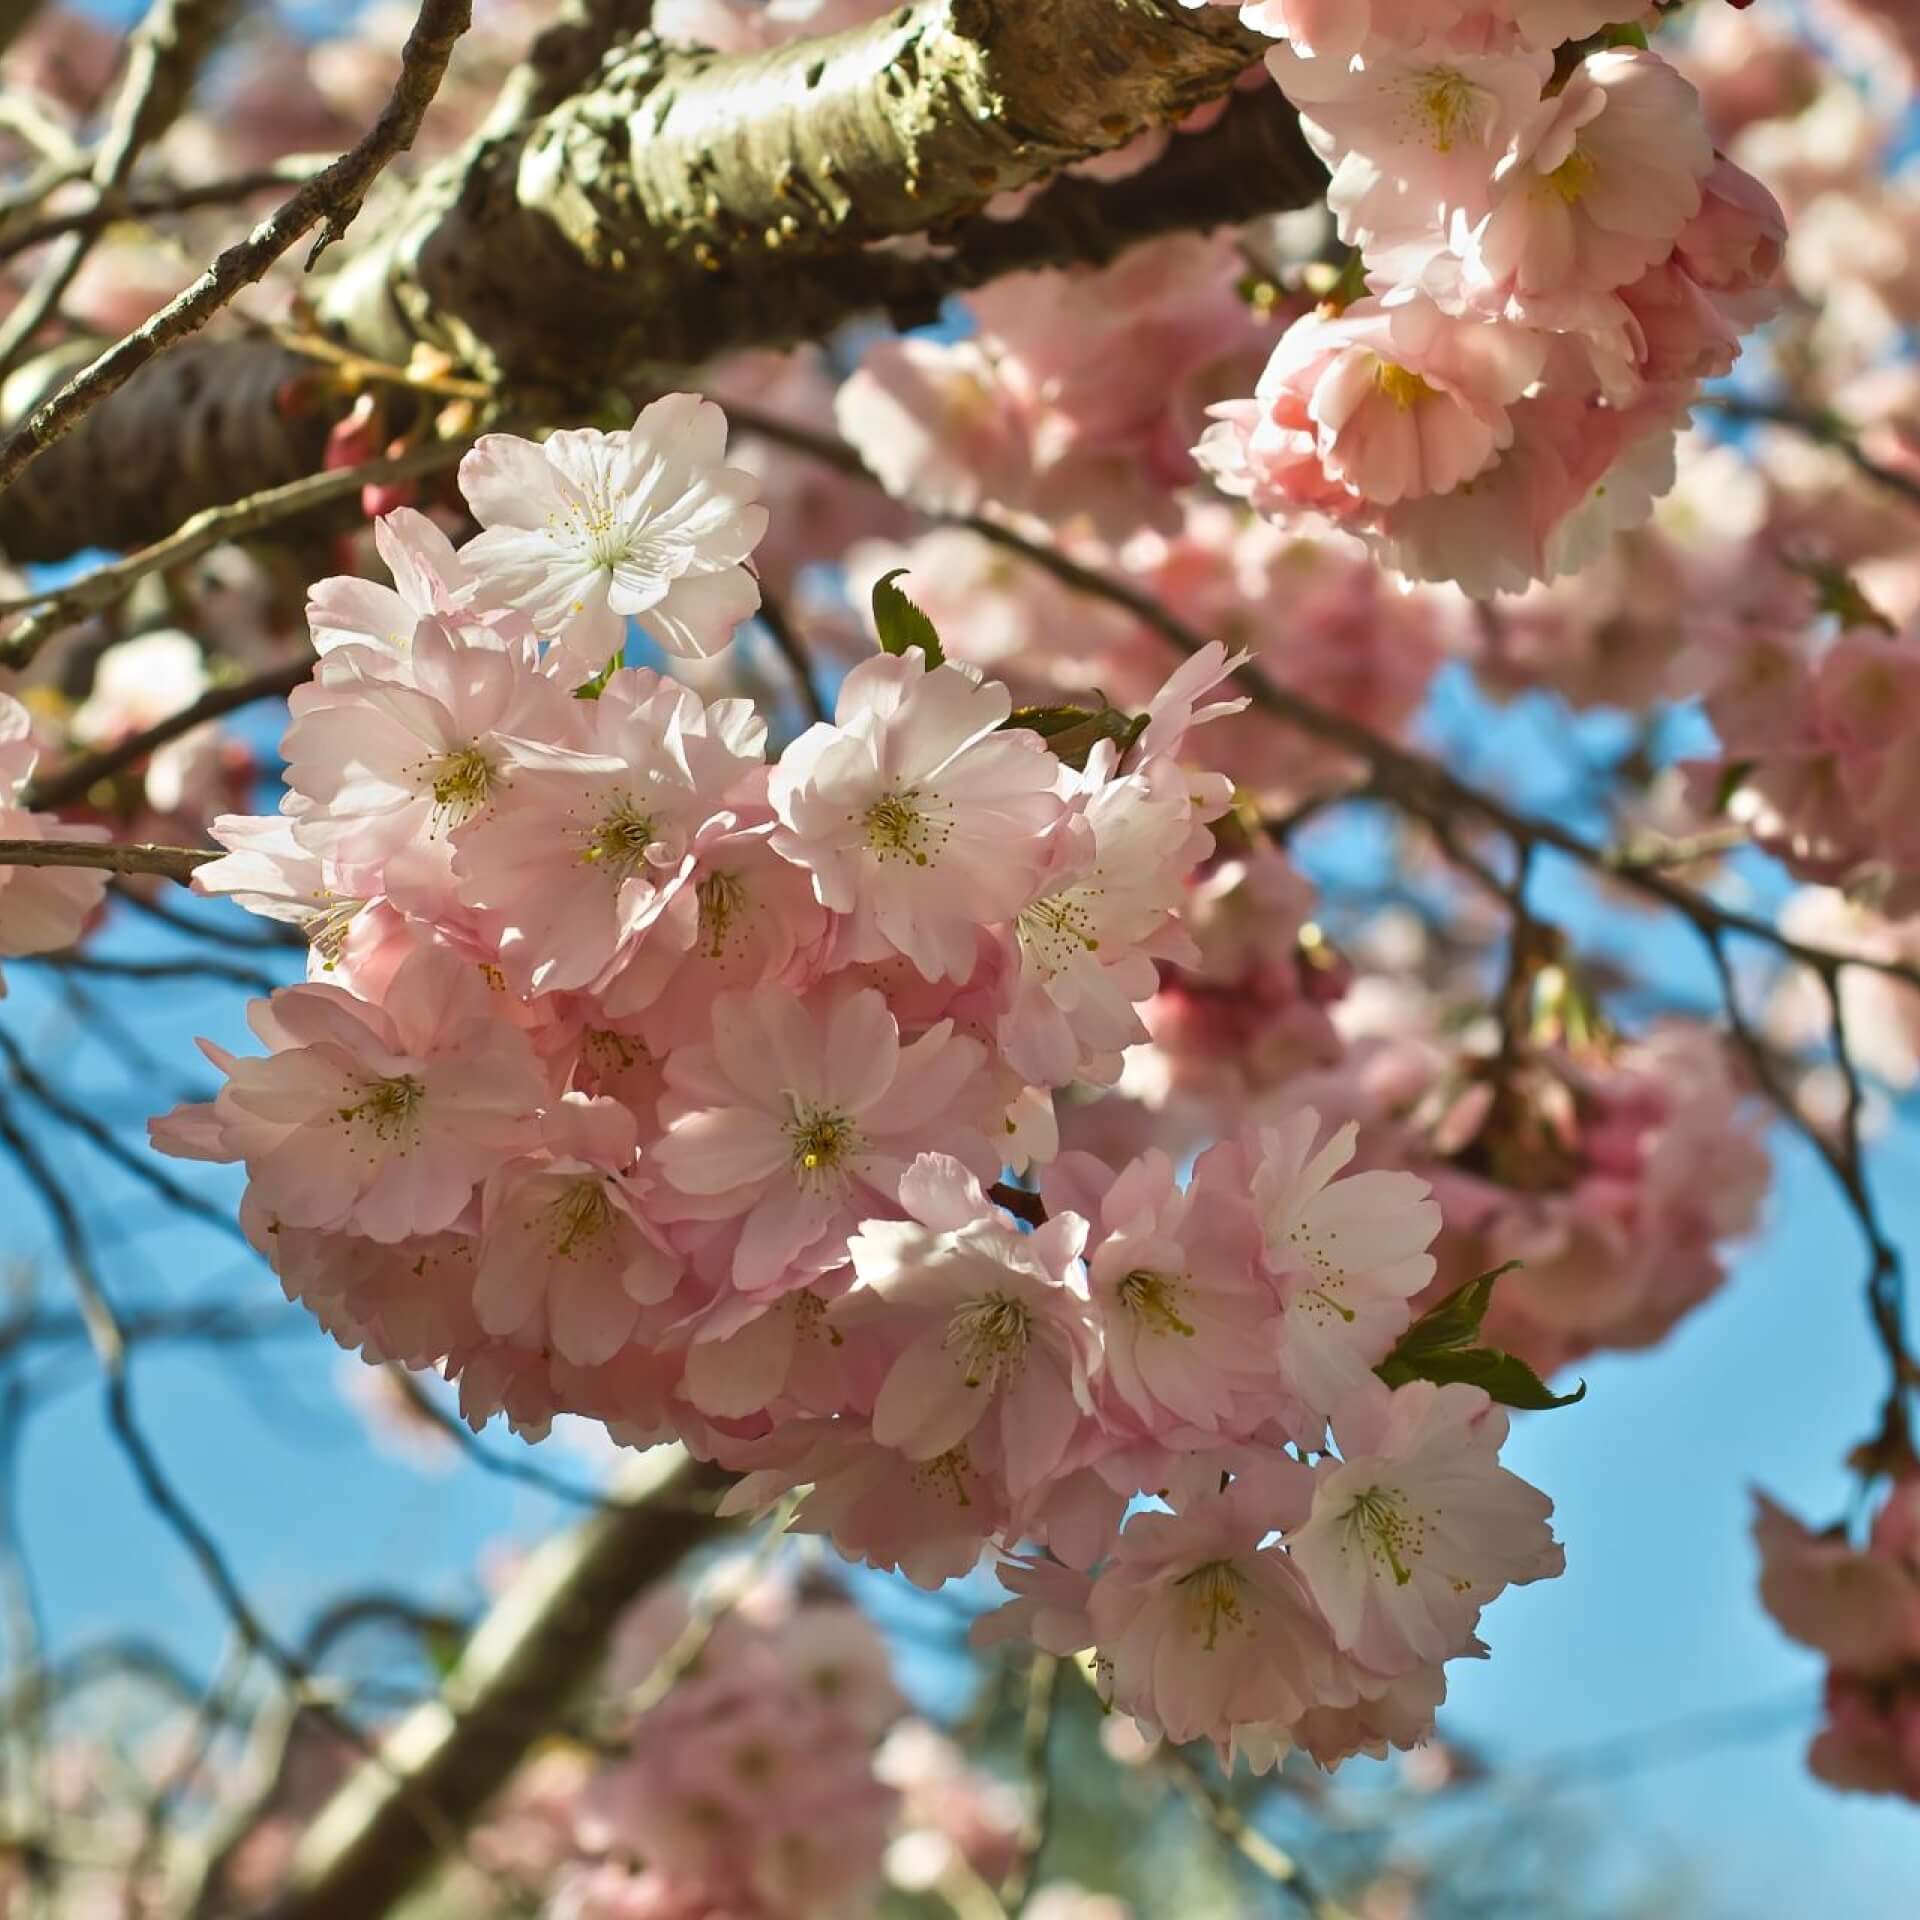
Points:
(721, 897)
(1401, 385)
(821, 1141)
(1389, 1534)
(1573, 176)
(1056, 931)
(1444, 101)
(897, 828)
(990, 1335)
(1153, 1299)
(387, 1107)
(946, 1475)
(461, 783)
(619, 843)
(1213, 1600)
(581, 1214)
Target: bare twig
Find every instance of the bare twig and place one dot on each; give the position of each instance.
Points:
(165, 863)
(91, 1128)
(329, 200)
(1044, 1677)
(78, 777)
(1824, 429)
(773, 616)
(163, 56)
(211, 527)
(150, 203)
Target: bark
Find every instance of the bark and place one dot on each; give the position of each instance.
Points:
(685, 204)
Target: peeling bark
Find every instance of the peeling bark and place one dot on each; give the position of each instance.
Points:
(684, 204)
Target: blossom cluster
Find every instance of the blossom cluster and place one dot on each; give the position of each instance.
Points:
(741, 1780)
(1552, 258)
(1860, 1607)
(641, 1078)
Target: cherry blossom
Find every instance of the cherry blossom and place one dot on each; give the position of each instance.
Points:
(1418, 1527)
(798, 1111)
(989, 1322)
(593, 529)
(917, 819)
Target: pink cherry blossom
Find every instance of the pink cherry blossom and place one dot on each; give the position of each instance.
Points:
(1185, 1316)
(1205, 1628)
(918, 820)
(41, 908)
(380, 1119)
(567, 1253)
(593, 528)
(1419, 1526)
(989, 1324)
(797, 1118)
(1599, 189)
(584, 853)
(1350, 1252)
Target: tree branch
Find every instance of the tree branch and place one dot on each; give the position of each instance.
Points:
(330, 200)
(687, 205)
(166, 863)
(367, 1848)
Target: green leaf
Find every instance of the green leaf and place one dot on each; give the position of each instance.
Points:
(1454, 1324)
(901, 624)
(1507, 1380)
(1441, 1346)
(1074, 732)
(594, 688)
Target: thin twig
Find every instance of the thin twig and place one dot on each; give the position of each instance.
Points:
(1824, 429)
(1044, 1679)
(164, 863)
(91, 1128)
(329, 200)
(78, 777)
(773, 616)
(149, 203)
(164, 54)
(209, 528)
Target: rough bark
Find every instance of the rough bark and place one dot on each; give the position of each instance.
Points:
(684, 204)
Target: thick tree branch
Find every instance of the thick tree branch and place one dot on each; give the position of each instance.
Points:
(686, 204)
(368, 1848)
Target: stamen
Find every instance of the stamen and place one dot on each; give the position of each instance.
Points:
(821, 1141)
(1389, 1534)
(1573, 176)
(1213, 1599)
(582, 1213)
(721, 897)
(388, 1107)
(1152, 1298)
(897, 828)
(1401, 385)
(991, 1336)
(462, 783)
(620, 842)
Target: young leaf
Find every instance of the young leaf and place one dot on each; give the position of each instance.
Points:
(1507, 1380)
(1440, 1346)
(901, 624)
(1073, 732)
(1454, 1324)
